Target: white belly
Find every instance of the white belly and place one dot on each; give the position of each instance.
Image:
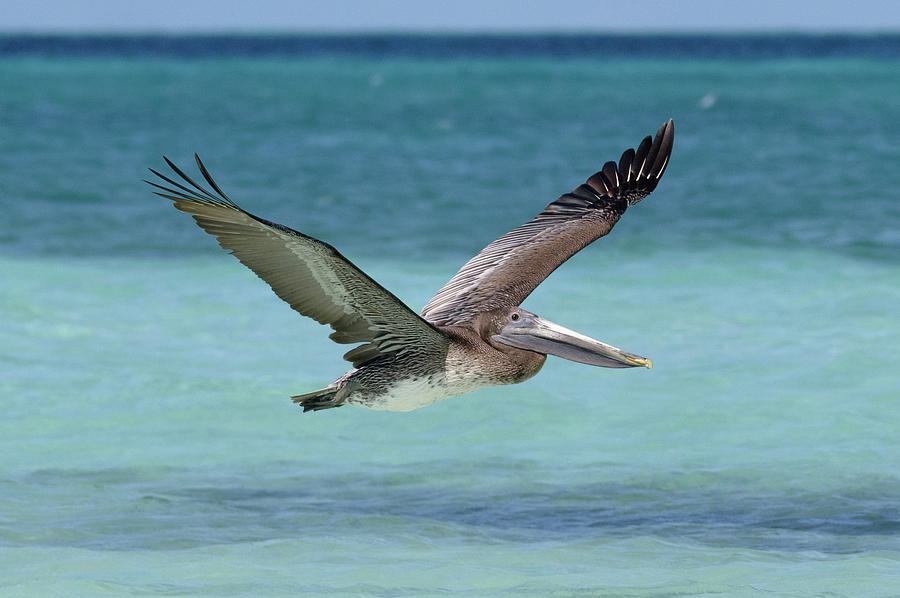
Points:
(413, 393)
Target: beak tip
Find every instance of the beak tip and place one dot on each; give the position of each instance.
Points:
(644, 362)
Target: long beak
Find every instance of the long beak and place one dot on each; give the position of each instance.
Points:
(542, 336)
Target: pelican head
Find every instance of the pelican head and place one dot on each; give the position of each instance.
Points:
(525, 330)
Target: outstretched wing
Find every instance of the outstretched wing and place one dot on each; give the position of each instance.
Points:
(505, 272)
(311, 276)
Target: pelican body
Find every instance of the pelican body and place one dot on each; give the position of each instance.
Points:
(473, 332)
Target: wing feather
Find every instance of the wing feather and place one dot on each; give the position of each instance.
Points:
(505, 272)
(311, 276)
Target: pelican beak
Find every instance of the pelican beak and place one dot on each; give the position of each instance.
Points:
(542, 336)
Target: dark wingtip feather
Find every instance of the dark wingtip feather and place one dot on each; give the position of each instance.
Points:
(193, 192)
(654, 149)
(610, 171)
(625, 166)
(640, 157)
(179, 172)
(665, 150)
(210, 180)
(638, 171)
(185, 193)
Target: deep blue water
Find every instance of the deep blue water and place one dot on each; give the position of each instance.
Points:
(761, 46)
(148, 445)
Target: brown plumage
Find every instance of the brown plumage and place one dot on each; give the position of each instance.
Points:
(472, 333)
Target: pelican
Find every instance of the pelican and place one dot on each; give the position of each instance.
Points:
(472, 333)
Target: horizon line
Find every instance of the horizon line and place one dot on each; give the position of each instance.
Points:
(450, 31)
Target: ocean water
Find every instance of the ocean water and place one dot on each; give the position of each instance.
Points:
(147, 443)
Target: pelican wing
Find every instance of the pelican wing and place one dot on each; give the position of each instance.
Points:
(505, 272)
(311, 276)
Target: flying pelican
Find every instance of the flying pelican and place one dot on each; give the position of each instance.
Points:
(472, 333)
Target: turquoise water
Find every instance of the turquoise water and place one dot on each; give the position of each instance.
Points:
(148, 445)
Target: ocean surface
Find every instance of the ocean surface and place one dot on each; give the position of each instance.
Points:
(148, 446)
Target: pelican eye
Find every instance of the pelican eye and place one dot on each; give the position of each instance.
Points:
(514, 317)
